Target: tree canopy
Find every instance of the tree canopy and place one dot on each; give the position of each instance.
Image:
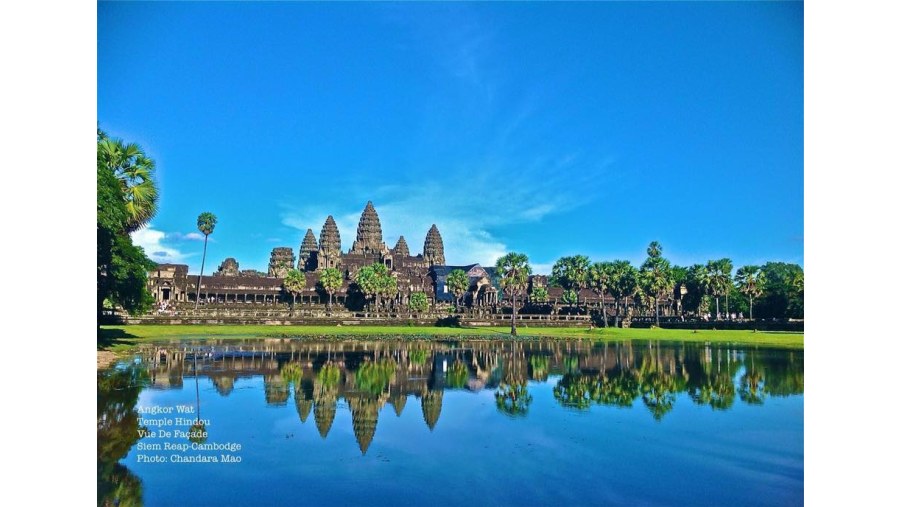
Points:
(121, 266)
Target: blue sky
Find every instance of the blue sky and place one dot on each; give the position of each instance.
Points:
(549, 129)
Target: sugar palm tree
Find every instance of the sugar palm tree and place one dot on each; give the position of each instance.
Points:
(572, 273)
(331, 280)
(750, 280)
(206, 223)
(135, 171)
(656, 275)
(294, 282)
(458, 283)
(622, 281)
(513, 270)
(720, 280)
(600, 276)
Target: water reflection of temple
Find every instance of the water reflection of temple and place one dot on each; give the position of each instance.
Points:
(370, 375)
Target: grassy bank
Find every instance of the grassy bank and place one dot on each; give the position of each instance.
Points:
(121, 338)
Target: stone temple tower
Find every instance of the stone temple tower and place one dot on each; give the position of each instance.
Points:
(308, 251)
(329, 255)
(434, 247)
(368, 233)
(281, 261)
(401, 249)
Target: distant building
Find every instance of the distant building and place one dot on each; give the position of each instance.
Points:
(425, 272)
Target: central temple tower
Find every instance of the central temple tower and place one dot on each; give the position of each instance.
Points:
(368, 233)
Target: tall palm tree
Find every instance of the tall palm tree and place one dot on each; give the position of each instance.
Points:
(513, 270)
(656, 275)
(698, 283)
(135, 171)
(331, 280)
(600, 277)
(720, 280)
(572, 273)
(458, 283)
(294, 282)
(750, 280)
(206, 223)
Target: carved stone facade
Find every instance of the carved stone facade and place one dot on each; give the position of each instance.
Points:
(281, 261)
(414, 273)
(329, 255)
(368, 233)
(308, 252)
(229, 267)
(434, 247)
(401, 249)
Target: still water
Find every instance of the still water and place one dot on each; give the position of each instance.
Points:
(276, 422)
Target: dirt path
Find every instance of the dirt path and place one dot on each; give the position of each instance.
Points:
(105, 358)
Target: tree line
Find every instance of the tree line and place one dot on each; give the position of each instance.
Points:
(773, 290)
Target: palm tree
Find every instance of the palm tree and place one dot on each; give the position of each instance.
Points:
(135, 171)
(513, 270)
(538, 295)
(366, 280)
(294, 282)
(600, 276)
(699, 283)
(720, 280)
(622, 281)
(750, 280)
(206, 223)
(458, 283)
(331, 280)
(656, 275)
(572, 273)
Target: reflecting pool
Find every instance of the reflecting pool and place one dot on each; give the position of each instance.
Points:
(454, 422)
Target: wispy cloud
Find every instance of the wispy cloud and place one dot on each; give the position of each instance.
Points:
(471, 211)
(191, 236)
(157, 245)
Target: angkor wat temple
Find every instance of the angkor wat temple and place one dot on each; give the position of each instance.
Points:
(425, 272)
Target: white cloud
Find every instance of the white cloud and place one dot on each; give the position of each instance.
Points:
(152, 242)
(191, 236)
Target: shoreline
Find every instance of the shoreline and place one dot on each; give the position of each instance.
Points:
(120, 339)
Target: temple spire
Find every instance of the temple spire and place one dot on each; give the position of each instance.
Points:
(434, 247)
(308, 249)
(329, 254)
(368, 232)
(401, 249)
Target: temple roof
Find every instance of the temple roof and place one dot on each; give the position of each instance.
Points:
(434, 246)
(368, 232)
(307, 248)
(401, 248)
(330, 238)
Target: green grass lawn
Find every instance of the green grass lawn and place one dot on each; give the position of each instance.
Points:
(121, 338)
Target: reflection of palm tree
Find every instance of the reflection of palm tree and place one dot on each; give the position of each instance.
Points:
(540, 367)
(513, 399)
(373, 377)
(325, 397)
(574, 391)
(619, 391)
(752, 390)
(717, 392)
(659, 394)
(457, 375)
(197, 433)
